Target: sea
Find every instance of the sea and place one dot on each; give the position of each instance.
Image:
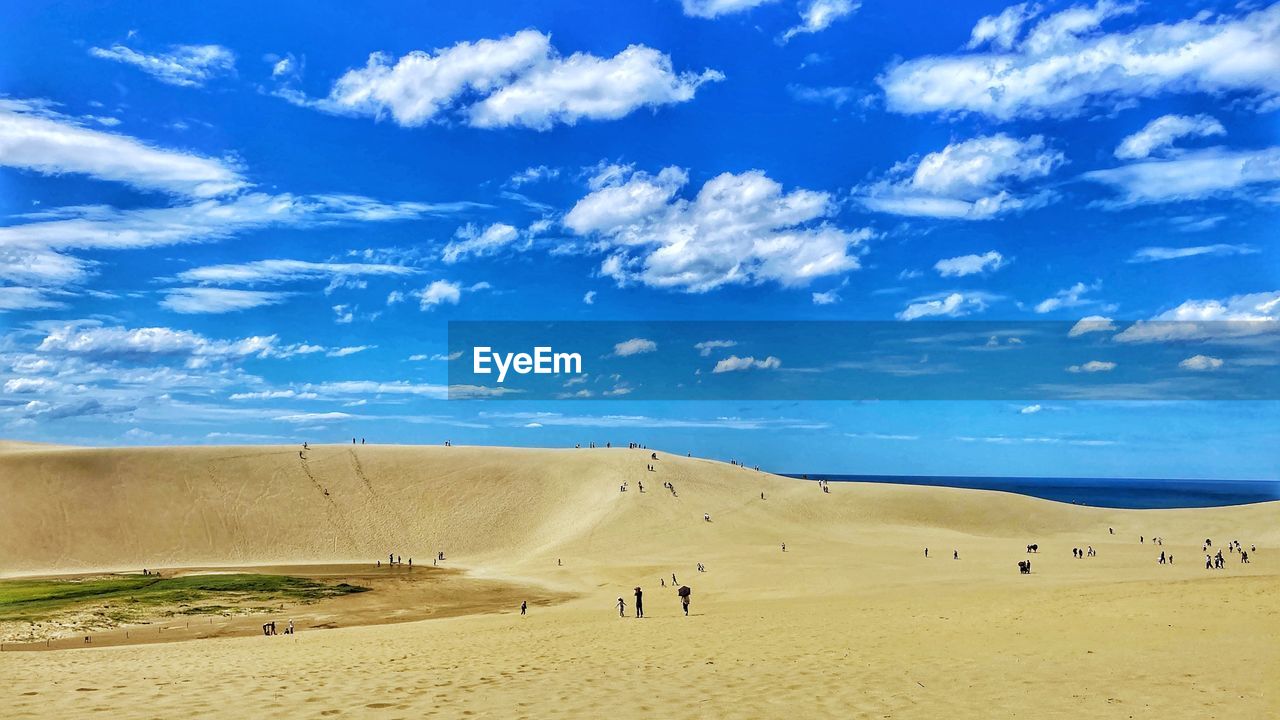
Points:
(1134, 493)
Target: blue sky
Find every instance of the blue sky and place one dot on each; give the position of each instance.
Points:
(247, 223)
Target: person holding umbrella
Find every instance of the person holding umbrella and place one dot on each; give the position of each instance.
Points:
(684, 593)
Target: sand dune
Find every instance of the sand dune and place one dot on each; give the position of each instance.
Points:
(851, 621)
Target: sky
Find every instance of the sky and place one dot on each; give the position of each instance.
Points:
(246, 223)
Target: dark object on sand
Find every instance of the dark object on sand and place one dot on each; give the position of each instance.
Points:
(684, 591)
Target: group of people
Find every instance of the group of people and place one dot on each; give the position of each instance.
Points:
(393, 560)
(1077, 553)
(824, 486)
(683, 593)
(269, 628)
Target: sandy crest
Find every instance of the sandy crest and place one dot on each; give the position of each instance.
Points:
(852, 621)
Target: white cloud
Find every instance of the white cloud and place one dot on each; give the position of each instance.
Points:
(532, 174)
(1093, 366)
(518, 80)
(1031, 409)
(440, 292)
(970, 264)
(1234, 317)
(267, 272)
(590, 297)
(1064, 65)
(733, 363)
(192, 301)
(1157, 254)
(1091, 324)
(976, 179)
(318, 417)
(1201, 363)
(1190, 175)
(835, 95)
(707, 346)
(1160, 134)
(947, 305)
(818, 15)
(471, 241)
(34, 138)
(715, 8)
(1073, 296)
(829, 297)
(1002, 30)
(273, 395)
(351, 350)
(183, 65)
(24, 298)
(113, 342)
(634, 346)
(740, 229)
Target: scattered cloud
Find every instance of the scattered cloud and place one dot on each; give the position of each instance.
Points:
(975, 179)
(956, 304)
(191, 301)
(1031, 409)
(970, 264)
(1093, 366)
(733, 363)
(515, 81)
(739, 229)
(533, 174)
(267, 272)
(818, 15)
(829, 297)
(182, 65)
(634, 346)
(706, 347)
(1234, 317)
(1064, 65)
(1091, 324)
(1160, 134)
(1073, 296)
(834, 95)
(1201, 363)
(439, 292)
(32, 137)
(473, 242)
(1157, 254)
(590, 297)
(1191, 175)
(711, 9)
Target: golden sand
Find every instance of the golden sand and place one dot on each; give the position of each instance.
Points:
(851, 621)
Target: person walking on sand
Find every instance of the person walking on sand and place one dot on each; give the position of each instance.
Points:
(290, 630)
(622, 607)
(926, 552)
(639, 602)
(784, 547)
(955, 554)
(684, 599)
(524, 607)
(673, 580)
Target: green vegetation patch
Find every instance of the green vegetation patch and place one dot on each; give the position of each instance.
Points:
(129, 596)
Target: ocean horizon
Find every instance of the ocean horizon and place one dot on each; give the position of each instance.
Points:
(1127, 493)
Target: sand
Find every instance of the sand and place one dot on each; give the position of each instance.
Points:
(851, 621)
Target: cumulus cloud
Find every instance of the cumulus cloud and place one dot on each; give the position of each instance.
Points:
(710, 9)
(733, 363)
(829, 297)
(1201, 363)
(818, 15)
(1091, 324)
(634, 346)
(1233, 317)
(1190, 175)
(183, 65)
(1093, 366)
(1031, 409)
(954, 304)
(190, 301)
(1065, 64)
(121, 342)
(474, 242)
(34, 138)
(1074, 296)
(706, 347)
(1160, 134)
(589, 297)
(739, 229)
(970, 264)
(1157, 254)
(518, 80)
(440, 292)
(975, 179)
